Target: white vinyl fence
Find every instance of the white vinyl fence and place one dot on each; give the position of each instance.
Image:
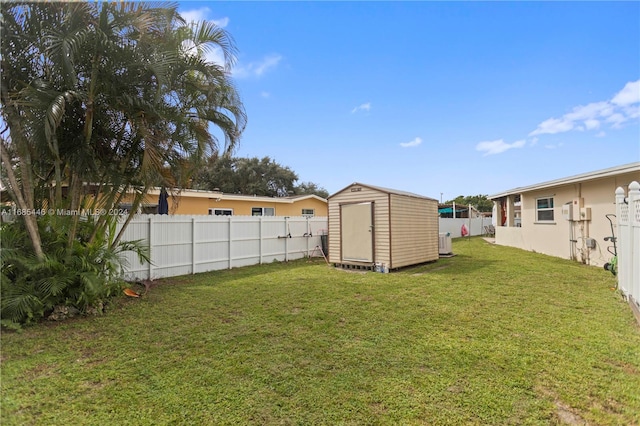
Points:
(475, 225)
(181, 245)
(628, 243)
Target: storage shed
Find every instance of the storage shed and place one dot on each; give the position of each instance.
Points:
(370, 226)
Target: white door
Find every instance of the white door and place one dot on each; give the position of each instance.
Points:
(357, 232)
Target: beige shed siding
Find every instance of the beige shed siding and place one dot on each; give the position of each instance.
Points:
(406, 225)
(381, 222)
(414, 230)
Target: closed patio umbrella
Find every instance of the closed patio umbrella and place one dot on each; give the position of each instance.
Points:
(163, 203)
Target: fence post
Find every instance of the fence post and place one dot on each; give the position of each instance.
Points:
(230, 240)
(622, 240)
(150, 247)
(634, 241)
(309, 234)
(193, 245)
(261, 236)
(286, 240)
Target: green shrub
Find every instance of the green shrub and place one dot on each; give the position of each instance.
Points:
(79, 275)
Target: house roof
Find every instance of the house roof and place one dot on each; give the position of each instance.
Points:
(385, 190)
(196, 193)
(599, 174)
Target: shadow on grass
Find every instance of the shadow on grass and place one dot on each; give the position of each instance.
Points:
(459, 264)
(227, 275)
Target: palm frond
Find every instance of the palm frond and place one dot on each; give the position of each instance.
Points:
(19, 303)
(54, 284)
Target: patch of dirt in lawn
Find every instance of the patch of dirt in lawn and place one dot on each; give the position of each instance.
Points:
(39, 371)
(624, 366)
(364, 297)
(378, 408)
(95, 385)
(564, 414)
(231, 317)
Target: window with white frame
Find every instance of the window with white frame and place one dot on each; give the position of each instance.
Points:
(263, 211)
(221, 212)
(308, 212)
(544, 209)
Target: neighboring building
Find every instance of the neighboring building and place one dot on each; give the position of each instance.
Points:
(189, 201)
(458, 211)
(564, 217)
(369, 225)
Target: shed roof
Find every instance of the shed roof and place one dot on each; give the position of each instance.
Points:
(598, 174)
(385, 190)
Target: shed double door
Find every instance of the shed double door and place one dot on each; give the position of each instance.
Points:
(357, 232)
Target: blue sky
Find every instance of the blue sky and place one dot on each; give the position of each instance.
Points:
(437, 98)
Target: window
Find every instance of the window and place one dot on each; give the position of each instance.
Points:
(308, 212)
(221, 212)
(544, 209)
(263, 211)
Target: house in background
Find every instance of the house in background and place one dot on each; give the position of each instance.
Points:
(190, 201)
(563, 217)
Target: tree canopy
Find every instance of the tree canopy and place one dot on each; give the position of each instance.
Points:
(480, 202)
(252, 176)
(115, 95)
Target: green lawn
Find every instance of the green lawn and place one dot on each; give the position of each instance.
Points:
(492, 336)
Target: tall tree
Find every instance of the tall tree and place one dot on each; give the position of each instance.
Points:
(108, 99)
(304, 188)
(481, 202)
(252, 176)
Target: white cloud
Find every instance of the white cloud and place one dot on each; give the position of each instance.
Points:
(630, 94)
(267, 63)
(552, 126)
(257, 69)
(601, 135)
(363, 107)
(222, 22)
(616, 111)
(616, 120)
(585, 112)
(498, 146)
(550, 146)
(195, 15)
(591, 124)
(265, 94)
(417, 141)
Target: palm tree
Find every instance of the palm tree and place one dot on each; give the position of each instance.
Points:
(115, 95)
